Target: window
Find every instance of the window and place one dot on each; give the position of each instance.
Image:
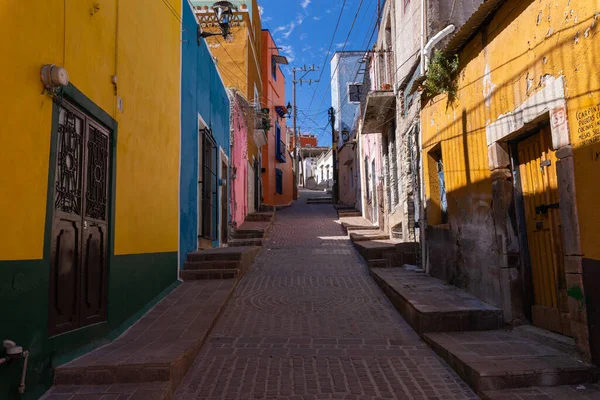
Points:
(279, 145)
(273, 68)
(354, 92)
(437, 185)
(279, 181)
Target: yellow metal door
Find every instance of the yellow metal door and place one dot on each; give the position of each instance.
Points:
(537, 164)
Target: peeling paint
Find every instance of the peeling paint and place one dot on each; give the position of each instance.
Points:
(539, 18)
(550, 32)
(576, 39)
(488, 86)
(587, 32)
(529, 83)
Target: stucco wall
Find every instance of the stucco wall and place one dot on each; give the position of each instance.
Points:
(525, 45)
(145, 147)
(203, 96)
(273, 94)
(239, 157)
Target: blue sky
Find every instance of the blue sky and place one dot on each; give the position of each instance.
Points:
(303, 30)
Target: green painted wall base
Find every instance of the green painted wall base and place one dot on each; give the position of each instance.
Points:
(135, 284)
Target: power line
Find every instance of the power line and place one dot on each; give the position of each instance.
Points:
(328, 52)
(344, 47)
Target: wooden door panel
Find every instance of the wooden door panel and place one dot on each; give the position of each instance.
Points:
(64, 277)
(94, 268)
(540, 197)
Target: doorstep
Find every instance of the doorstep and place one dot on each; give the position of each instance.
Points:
(430, 305)
(161, 346)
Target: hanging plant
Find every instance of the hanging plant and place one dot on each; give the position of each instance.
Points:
(441, 75)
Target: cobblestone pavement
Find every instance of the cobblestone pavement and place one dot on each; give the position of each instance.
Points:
(308, 322)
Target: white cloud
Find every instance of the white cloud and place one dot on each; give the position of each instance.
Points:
(290, 28)
(303, 36)
(300, 19)
(306, 48)
(288, 51)
(340, 45)
(305, 3)
(261, 10)
(316, 18)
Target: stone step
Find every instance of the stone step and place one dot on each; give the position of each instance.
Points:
(245, 242)
(224, 254)
(160, 347)
(369, 234)
(351, 228)
(344, 207)
(319, 200)
(349, 214)
(153, 391)
(374, 249)
(259, 217)
(247, 234)
(215, 265)
(571, 392)
(204, 274)
(378, 263)
(499, 360)
(430, 305)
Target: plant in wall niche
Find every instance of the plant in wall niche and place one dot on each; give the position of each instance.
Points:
(441, 75)
(266, 119)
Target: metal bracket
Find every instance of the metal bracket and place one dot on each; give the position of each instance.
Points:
(543, 209)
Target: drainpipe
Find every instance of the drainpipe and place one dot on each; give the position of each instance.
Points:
(425, 55)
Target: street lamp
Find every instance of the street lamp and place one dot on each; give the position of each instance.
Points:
(289, 109)
(224, 11)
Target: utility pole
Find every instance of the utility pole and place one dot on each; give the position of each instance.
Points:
(334, 192)
(301, 80)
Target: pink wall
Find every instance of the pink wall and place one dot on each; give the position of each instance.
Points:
(239, 154)
(371, 148)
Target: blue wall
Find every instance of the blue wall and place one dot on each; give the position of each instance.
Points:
(202, 92)
(345, 68)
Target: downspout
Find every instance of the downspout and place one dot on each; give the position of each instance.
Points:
(431, 43)
(426, 49)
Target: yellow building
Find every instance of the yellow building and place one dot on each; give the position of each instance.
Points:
(516, 155)
(89, 172)
(239, 63)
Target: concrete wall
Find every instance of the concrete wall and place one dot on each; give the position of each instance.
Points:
(344, 70)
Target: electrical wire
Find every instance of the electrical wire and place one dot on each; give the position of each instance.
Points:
(328, 52)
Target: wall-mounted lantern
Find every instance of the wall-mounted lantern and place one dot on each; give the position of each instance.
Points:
(54, 76)
(224, 11)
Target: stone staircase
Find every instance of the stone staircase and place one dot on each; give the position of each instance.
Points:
(319, 200)
(498, 362)
(253, 230)
(221, 263)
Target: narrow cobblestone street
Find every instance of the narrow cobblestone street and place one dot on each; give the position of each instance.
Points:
(308, 322)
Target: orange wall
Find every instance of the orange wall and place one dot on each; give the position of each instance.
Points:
(274, 95)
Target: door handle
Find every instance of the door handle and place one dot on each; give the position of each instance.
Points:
(543, 209)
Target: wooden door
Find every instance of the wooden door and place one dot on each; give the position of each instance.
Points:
(224, 198)
(537, 167)
(79, 246)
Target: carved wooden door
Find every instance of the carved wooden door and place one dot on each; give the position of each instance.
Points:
(79, 247)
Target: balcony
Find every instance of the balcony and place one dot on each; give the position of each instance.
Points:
(280, 152)
(380, 107)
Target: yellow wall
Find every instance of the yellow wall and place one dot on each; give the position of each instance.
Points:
(526, 42)
(148, 135)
